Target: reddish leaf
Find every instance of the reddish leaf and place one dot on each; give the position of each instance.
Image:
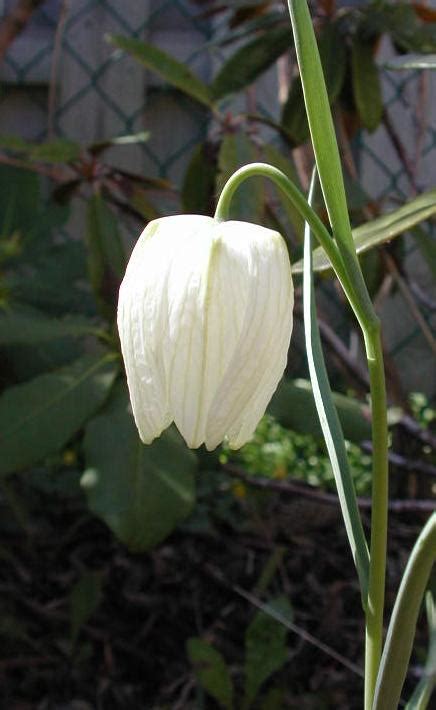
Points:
(426, 14)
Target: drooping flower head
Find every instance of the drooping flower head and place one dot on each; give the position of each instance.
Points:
(205, 320)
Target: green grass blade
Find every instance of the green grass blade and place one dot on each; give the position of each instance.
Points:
(330, 423)
(401, 630)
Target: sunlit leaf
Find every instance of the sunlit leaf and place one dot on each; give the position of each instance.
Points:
(382, 229)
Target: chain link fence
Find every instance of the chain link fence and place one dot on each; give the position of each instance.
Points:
(61, 78)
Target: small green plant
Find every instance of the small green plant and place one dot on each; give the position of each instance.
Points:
(423, 412)
(278, 453)
(265, 654)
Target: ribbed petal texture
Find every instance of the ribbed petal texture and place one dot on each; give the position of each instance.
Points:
(205, 319)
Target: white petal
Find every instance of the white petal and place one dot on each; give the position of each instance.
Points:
(141, 315)
(204, 326)
(259, 358)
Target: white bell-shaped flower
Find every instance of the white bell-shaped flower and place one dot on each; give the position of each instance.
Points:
(205, 319)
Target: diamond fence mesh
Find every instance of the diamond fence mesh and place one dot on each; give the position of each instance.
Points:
(63, 79)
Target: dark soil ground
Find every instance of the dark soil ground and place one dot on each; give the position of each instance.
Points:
(131, 650)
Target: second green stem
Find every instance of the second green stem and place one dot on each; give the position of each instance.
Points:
(379, 515)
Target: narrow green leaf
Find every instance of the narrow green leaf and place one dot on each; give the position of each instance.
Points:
(27, 327)
(366, 84)
(424, 690)
(211, 671)
(198, 189)
(265, 648)
(294, 407)
(84, 600)
(251, 60)
(141, 492)
(382, 229)
(106, 256)
(411, 62)
(402, 626)
(330, 424)
(39, 417)
(171, 70)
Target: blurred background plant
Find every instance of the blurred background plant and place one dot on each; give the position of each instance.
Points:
(110, 117)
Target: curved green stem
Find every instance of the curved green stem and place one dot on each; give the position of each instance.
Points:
(365, 317)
